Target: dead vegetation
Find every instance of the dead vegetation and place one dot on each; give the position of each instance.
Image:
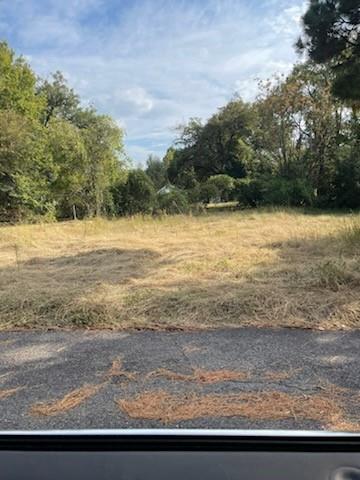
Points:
(68, 402)
(168, 408)
(259, 268)
(117, 370)
(8, 392)
(200, 375)
(329, 408)
(269, 405)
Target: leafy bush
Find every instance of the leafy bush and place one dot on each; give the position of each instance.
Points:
(249, 192)
(273, 191)
(173, 202)
(208, 192)
(136, 195)
(291, 193)
(194, 194)
(347, 181)
(224, 185)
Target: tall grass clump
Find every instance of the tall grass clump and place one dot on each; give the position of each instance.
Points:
(351, 233)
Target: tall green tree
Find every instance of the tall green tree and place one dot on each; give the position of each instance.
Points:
(221, 145)
(26, 168)
(103, 141)
(299, 126)
(18, 85)
(136, 195)
(331, 34)
(224, 184)
(61, 100)
(156, 169)
(70, 159)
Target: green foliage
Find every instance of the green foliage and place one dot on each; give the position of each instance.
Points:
(61, 101)
(208, 192)
(187, 179)
(347, 179)
(292, 193)
(54, 155)
(70, 159)
(296, 145)
(173, 202)
(26, 168)
(222, 145)
(136, 195)
(299, 126)
(103, 141)
(156, 169)
(273, 191)
(169, 157)
(17, 85)
(331, 34)
(224, 185)
(249, 192)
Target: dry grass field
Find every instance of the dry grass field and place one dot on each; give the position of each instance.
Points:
(259, 268)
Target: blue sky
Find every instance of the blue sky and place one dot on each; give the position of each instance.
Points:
(152, 64)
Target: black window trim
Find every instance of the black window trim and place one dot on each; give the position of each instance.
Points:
(179, 440)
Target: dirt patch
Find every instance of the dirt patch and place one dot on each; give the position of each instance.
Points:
(68, 402)
(168, 408)
(201, 376)
(5, 393)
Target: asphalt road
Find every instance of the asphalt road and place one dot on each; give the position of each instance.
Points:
(45, 367)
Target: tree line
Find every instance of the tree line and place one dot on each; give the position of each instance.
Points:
(296, 144)
(57, 158)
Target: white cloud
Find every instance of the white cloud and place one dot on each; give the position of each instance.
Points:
(153, 64)
(288, 22)
(134, 100)
(47, 30)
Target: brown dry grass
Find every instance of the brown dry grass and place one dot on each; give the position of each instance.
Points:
(5, 393)
(68, 402)
(200, 375)
(117, 370)
(261, 268)
(168, 408)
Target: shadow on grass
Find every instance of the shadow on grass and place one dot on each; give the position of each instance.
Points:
(111, 265)
(313, 284)
(43, 292)
(309, 283)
